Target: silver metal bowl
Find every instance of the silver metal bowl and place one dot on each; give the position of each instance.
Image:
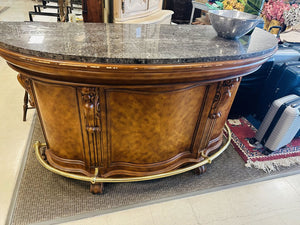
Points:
(232, 24)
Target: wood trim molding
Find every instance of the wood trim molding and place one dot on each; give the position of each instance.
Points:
(97, 73)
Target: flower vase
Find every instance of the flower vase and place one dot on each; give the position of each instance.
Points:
(274, 23)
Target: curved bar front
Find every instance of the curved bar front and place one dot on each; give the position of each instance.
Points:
(130, 101)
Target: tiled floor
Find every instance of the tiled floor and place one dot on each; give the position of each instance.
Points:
(274, 202)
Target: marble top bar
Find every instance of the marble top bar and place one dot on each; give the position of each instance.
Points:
(130, 43)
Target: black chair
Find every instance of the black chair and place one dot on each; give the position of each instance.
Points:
(44, 5)
(25, 106)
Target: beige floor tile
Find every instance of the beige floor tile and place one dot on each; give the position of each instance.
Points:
(270, 197)
(173, 213)
(136, 216)
(247, 204)
(291, 217)
(266, 220)
(18, 10)
(294, 181)
(213, 208)
(263, 201)
(98, 220)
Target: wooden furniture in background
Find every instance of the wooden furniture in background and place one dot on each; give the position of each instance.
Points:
(92, 11)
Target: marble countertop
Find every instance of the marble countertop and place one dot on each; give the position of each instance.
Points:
(130, 43)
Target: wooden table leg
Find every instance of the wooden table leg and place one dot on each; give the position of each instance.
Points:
(25, 106)
(97, 188)
(200, 170)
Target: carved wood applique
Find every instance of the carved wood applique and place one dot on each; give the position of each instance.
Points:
(223, 94)
(92, 120)
(221, 98)
(26, 84)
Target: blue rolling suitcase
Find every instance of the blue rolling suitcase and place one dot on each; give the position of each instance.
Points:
(252, 85)
(284, 79)
(280, 124)
(295, 46)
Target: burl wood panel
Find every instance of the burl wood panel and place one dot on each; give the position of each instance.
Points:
(150, 127)
(57, 106)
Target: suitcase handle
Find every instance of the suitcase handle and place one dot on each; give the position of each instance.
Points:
(296, 104)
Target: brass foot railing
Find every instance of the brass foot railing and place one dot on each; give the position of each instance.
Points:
(96, 179)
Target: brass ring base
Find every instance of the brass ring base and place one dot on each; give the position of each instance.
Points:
(96, 179)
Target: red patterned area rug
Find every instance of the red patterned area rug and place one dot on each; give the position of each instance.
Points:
(242, 131)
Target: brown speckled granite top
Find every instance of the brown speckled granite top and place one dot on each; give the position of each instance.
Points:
(130, 43)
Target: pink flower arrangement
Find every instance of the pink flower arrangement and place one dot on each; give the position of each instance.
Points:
(274, 9)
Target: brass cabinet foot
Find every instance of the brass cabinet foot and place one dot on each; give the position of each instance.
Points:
(200, 170)
(97, 188)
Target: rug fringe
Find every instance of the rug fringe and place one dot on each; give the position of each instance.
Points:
(273, 165)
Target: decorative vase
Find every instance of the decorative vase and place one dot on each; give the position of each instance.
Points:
(274, 23)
